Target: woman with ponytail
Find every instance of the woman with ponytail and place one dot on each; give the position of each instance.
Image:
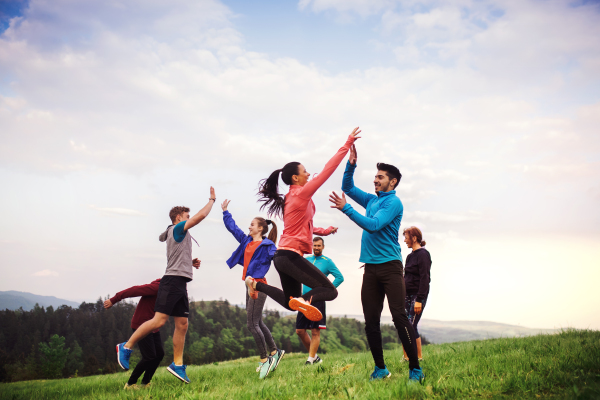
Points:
(417, 279)
(255, 253)
(297, 210)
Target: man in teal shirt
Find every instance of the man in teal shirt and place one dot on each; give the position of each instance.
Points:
(326, 266)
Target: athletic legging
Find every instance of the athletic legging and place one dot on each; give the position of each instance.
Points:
(294, 271)
(262, 334)
(152, 351)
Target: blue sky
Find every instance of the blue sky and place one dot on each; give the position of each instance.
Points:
(113, 112)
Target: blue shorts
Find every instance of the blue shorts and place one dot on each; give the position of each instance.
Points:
(304, 323)
(413, 317)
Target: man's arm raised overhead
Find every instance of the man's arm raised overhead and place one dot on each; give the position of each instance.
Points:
(359, 196)
(203, 213)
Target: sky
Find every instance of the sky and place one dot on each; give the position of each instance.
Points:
(112, 112)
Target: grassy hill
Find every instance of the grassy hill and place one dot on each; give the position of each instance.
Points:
(565, 365)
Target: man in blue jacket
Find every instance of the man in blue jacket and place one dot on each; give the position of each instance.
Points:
(326, 266)
(380, 251)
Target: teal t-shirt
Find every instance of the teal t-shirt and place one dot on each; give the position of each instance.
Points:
(178, 232)
(326, 266)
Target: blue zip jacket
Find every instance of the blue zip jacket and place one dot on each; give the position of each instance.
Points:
(326, 266)
(261, 260)
(381, 225)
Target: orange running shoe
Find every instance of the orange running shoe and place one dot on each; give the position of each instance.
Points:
(311, 312)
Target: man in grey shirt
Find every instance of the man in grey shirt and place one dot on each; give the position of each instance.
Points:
(172, 299)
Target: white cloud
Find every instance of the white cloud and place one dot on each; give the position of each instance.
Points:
(118, 211)
(46, 272)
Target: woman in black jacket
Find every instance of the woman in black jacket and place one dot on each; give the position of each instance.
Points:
(416, 278)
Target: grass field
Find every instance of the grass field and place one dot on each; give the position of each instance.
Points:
(566, 365)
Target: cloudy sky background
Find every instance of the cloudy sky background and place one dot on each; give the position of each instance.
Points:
(112, 112)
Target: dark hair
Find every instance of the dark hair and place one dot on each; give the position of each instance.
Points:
(175, 211)
(414, 231)
(268, 189)
(391, 171)
(264, 224)
(319, 238)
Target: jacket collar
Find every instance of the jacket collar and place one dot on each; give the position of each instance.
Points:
(384, 194)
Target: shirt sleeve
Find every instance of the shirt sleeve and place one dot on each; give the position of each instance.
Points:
(178, 232)
(424, 276)
(232, 227)
(150, 289)
(322, 231)
(314, 184)
(383, 216)
(333, 270)
(359, 196)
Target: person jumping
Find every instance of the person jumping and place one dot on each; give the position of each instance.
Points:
(380, 251)
(326, 266)
(172, 298)
(297, 210)
(255, 253)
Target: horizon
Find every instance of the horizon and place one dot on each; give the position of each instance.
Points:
(112, 113)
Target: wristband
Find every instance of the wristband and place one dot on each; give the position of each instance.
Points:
(210, 198)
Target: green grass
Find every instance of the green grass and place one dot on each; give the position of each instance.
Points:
(566, 365)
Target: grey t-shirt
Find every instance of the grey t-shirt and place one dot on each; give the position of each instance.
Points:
(179, 253)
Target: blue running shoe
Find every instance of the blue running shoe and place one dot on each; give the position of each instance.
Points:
(179, 372)
(416, 375)
(123, 356)
(276, 358)
(380, 373)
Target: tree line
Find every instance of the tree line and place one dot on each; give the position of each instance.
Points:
(47, 343)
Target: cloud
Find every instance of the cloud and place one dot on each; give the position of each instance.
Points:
(118, 211)
(46, 272)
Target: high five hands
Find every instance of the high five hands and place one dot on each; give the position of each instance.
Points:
(225, 204)
(355, 133)
(338, 202)
(353, 155)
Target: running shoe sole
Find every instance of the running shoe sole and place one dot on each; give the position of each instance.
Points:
(278, 360)
(119, 360)
(311, 312)
(176, 375)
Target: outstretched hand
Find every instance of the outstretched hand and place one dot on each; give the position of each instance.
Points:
(338, 202)
(355, 133)
(225, 204)
(212, 193)
(196, 263)
(353, 155)
(108, 303)
(333, 231)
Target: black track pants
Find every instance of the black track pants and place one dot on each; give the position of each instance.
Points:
(382, 280)
(294, 271)
(152, 351)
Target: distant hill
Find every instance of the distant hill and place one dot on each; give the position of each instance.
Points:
(12, 300)
(461, 331)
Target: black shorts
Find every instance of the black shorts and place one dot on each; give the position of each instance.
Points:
(304, 323)
(172, 297)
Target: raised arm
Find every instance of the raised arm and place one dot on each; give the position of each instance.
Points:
(230, 224)
(324, 231)
(359, 196)
(380, 220)
(313, 185)
(203, 213)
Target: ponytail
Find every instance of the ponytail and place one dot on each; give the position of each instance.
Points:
(268, 189)
(273, 234)
(264, 224)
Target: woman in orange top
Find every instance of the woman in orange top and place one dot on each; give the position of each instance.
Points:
(255, 253)
(297, 210)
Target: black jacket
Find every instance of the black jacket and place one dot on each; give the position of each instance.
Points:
(416, 274)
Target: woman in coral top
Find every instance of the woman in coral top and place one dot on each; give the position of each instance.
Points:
(297, 210)
(254, 253)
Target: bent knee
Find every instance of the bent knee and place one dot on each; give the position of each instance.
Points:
(334, 293)
(300, 332)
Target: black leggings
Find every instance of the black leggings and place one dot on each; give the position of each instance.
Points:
(294, 271)
(152, 351)
(382, 280)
